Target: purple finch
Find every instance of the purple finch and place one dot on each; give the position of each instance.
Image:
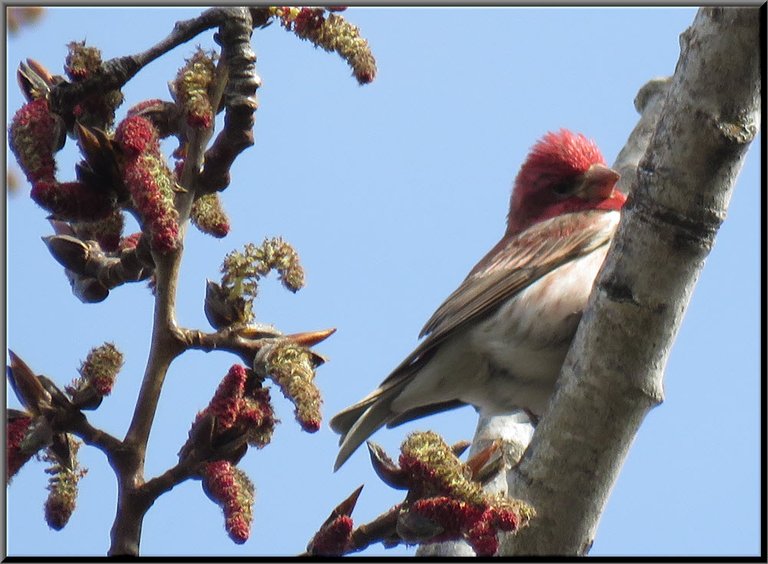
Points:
(498, 342)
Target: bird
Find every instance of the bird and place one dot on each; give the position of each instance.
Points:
(499, 340)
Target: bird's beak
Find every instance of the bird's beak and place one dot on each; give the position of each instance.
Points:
(597, 183)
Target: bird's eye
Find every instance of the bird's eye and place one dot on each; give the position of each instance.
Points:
(563, 188)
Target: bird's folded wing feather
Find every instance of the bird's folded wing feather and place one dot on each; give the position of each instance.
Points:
(509, 267)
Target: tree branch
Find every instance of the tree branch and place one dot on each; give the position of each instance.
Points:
(169, 479)
(86, 263)
(382, 529)
(95, 437)
(239, 101)
(115, 73)
(164, 348)
(247, 341)
(611, 378)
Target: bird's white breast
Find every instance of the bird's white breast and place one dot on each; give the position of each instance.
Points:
(525, 341)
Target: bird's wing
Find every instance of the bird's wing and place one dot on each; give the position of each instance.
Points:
(511, 266)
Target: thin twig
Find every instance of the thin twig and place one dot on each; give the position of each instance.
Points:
(164, 348)
(382, 529)
(115, 73)
(94, 437)
(166, 481)
(239, 100)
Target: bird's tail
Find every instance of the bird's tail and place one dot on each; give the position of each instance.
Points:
(359, 421)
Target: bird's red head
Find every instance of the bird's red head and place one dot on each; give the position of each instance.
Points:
(564, 172)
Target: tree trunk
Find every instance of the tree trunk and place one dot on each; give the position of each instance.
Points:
(611, 377)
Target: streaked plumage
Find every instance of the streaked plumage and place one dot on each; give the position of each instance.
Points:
(498, 342)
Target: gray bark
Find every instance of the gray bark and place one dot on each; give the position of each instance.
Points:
(611, 378)
(515, 430)
(680, 164)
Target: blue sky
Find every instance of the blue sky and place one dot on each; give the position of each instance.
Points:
(390, 193)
